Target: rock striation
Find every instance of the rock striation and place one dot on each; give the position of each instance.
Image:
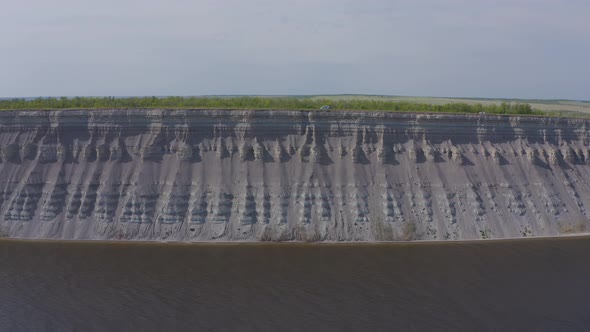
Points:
(235, 175)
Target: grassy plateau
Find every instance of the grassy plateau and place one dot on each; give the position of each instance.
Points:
(336, 102)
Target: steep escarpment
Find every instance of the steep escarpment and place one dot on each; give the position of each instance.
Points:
(197, 175)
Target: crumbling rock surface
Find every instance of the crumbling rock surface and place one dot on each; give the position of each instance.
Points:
(235, 175)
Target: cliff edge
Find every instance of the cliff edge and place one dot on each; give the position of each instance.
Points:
(227, 175)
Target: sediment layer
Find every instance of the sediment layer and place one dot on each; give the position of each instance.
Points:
(231, 175)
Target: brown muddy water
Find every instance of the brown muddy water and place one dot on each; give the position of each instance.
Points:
(522, 285)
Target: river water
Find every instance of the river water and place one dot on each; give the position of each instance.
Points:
(522, 285)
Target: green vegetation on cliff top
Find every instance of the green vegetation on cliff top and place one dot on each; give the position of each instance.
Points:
(253, 102)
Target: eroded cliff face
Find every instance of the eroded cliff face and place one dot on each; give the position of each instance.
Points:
(199, 175)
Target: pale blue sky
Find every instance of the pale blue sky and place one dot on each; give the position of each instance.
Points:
(459, 48)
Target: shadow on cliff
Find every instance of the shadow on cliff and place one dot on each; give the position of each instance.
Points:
(466, 161)
(267, 157)
(196, 157)
(420, 156)
(360, 157)
(125, 156)
(503, 161)
(390, 160)
(438, 157)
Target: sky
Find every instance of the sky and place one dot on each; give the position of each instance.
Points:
(447, 48)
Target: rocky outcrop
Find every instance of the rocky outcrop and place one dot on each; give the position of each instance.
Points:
(226, 175)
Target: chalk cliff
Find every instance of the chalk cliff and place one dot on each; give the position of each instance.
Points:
(227, 175)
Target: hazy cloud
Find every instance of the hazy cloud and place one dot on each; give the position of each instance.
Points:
(505, 48)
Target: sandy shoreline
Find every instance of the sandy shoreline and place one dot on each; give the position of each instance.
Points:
(585, 236)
